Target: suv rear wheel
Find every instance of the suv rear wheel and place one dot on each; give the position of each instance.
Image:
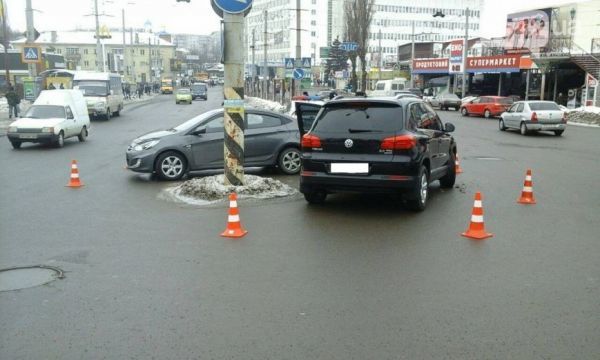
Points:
(315, 197)
(417, 197)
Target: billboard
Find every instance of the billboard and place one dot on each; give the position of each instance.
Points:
(527, 31)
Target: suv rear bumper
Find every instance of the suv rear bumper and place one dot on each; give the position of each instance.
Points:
(311, 181)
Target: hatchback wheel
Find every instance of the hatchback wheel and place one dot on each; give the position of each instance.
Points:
(417, 198)
(108, 114)
(83, 134)
(289, 161)
(170, 166)
(487, 114)
(523, 129)
(464, 112)
(60, 140)
(501, 125)
(15, 144)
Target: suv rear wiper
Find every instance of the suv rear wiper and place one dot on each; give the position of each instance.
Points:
(361, 130)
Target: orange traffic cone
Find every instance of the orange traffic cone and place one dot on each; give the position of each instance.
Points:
(457, 165)
(527, 193)
(74, 181)
(234, 226)
(476, 228)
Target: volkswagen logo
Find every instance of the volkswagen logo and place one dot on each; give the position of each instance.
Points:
(348, 143)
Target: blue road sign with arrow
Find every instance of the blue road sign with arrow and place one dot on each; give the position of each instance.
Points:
(298, 74)
(231, 6)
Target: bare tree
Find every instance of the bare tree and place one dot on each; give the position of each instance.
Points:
(358, 18)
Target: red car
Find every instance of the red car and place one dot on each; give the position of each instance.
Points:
(487, 106)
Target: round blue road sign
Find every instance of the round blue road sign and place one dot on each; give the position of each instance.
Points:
(298, 74)
(231, 6)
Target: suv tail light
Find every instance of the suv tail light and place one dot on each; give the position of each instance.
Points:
(564, 118)
(400, 142)
(310, 142)
(534, 117)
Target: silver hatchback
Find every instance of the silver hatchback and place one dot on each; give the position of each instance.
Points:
(527, 116)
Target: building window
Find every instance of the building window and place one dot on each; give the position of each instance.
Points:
(85, 51)
(86, 63)
(72, 51)
(142, 52)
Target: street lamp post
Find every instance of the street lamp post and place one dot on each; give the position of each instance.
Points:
(412, 56)
(465, 47)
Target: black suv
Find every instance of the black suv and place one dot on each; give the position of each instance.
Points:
(199, 90)
(379, 145)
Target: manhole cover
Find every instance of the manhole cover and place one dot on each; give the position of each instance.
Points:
(24, 277)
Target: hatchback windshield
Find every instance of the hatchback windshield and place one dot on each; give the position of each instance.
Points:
(537, 106)
(450, 96)
(359, 117)
(46, 112)
(196, 120)
(93, 88)
(183, 91)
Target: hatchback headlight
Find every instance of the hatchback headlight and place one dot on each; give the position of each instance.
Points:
(146, 145)
(48, 130)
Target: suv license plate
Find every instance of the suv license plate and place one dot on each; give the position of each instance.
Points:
(349, 168)
(28, 136)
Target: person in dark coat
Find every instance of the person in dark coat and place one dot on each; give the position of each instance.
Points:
(13, 100)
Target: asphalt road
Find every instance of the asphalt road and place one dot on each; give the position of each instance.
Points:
(356, 278)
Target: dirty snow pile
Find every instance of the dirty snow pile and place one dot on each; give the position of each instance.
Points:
(259, 103)
(211, 189)
(585, 115)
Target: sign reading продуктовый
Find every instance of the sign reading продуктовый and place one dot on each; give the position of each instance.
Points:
(231, 6)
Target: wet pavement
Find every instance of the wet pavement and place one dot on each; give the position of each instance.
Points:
(359, 277)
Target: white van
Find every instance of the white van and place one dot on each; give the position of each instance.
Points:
(103, 92)
(389, 87)
(54, 116)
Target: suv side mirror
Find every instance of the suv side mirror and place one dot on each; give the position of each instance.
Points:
(449, 127)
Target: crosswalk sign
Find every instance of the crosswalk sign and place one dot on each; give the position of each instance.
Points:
(289, 63)
(31, 54)
(306, 62)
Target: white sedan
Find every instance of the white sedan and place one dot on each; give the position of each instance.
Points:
(528, 116)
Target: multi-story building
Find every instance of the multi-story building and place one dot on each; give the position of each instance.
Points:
(281, 30)
(148, 57)
(394, 18)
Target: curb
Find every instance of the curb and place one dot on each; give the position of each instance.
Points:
(583, 124)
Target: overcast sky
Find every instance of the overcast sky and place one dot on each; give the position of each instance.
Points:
(197, 17)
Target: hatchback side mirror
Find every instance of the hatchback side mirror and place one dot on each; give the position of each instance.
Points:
(200, 131)
(449, 127)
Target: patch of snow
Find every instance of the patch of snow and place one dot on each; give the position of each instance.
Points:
(259, 103)
(210, 189)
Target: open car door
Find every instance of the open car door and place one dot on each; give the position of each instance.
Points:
(306, 113)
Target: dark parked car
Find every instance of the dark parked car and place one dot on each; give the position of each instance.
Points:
(270, 139)
(380, 145)
(446, 101)
(199, 91)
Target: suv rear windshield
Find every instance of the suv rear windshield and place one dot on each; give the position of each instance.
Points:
(543, 106)
(359, 117)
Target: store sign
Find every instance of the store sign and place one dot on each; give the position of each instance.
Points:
(591, 81)
(502, 63)
(430, 66)
(456, 57)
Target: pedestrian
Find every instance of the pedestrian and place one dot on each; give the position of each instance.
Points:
(51, 87)
(13, 100)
